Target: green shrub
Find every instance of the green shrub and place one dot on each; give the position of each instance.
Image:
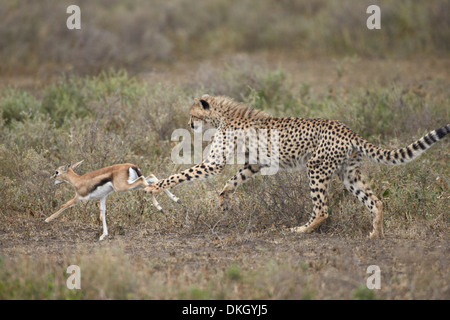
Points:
(16, 104)
(65, 99)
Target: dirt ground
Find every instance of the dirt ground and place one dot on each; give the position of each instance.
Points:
(336, 266)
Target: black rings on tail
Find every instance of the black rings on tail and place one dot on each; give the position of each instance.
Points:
(403, 155)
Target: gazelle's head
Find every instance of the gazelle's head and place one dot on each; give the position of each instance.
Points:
(60, 174)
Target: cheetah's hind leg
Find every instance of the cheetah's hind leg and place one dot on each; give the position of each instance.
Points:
(355, 182)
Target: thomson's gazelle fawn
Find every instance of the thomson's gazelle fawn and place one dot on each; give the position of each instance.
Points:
(98, 184)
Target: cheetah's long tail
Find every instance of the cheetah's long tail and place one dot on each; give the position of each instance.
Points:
(403, 155)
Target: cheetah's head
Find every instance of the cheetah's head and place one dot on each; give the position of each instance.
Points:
(202, 114)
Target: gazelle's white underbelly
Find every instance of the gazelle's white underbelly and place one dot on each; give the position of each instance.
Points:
(100, 192)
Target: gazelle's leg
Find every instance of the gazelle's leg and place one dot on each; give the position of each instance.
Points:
(153, 179)
(156, 204)
(140, 182)
(172, 196)
(100, 218)
(65, 206)
(103, 214)
(150, 180)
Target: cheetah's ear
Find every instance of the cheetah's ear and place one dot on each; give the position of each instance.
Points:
(205, 104)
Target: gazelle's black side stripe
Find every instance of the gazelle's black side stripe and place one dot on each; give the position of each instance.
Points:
(99, 184)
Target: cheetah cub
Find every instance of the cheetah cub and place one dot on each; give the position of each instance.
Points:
(324, 147)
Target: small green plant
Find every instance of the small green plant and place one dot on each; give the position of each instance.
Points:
(195, 293)
(364, 293)
(234, 272)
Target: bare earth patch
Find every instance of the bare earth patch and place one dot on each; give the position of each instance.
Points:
(271, 264)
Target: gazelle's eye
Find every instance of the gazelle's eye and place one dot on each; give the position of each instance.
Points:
(57, 173)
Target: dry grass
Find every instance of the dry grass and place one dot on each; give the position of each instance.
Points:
(196, 251)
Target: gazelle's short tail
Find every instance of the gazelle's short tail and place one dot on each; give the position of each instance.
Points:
(403, 155)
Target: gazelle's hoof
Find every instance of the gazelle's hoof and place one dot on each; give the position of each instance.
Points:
(103, 236)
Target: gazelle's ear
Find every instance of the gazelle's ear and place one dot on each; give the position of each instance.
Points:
(76, 165)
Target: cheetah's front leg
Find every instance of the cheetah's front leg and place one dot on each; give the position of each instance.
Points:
(241, 177)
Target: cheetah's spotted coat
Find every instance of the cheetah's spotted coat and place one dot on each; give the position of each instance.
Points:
(324, 147)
